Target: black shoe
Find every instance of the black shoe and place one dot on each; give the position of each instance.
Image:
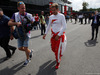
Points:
(6, 58)
(13, 51)
(42, 34)
(95, 38)
(91, 38)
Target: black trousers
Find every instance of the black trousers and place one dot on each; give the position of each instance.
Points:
(95, 27)
(4, 43)
(75, 20)
(42, 29)
(81, 19)
(85, 21)
(89, 21)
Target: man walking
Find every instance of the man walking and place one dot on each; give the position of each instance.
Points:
(5, 36)
(85, 16)
(42, 22)
(58, 38)
(19, 20)
(95, 24)
(81, 18)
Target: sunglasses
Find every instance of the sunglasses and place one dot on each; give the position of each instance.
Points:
(21, 2)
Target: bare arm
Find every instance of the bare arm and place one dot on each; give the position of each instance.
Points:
(12, 23)
(11, 30)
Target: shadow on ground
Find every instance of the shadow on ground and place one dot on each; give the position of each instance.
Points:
(13, 70)
(35, 36)
(2, 60)
(47, 68)
(90, 43)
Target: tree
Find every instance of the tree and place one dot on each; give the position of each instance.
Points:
(85, 5)
(94, 9)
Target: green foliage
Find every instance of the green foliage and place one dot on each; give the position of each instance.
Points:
(94, 9)
(85, 5)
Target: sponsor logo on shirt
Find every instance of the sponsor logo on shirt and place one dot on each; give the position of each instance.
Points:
(54, 20)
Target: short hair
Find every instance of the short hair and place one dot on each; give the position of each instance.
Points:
(54, 5)
(1, 9)
(42, 11)
(19, 3)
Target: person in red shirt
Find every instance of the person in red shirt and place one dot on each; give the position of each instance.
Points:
(36, 21)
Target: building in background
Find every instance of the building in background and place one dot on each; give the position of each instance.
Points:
(64, 6)
(35, 6)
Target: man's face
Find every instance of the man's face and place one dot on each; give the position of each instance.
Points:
(54, 10)
(92, 14)
(96, 12)
(1, 13)
(22, 8)
(42, 13)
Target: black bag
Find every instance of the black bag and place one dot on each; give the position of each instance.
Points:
(30, 27)
(19, 33)
(15, 34)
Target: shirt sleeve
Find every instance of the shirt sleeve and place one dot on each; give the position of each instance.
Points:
(13, 17)
(8, 19)
(48, 27)
(64, 24)
(31, 18)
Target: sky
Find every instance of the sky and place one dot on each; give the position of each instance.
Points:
(77, 4)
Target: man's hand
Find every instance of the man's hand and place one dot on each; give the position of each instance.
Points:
(18, 24)
(11, 37)
(44, 36)
(57, 37)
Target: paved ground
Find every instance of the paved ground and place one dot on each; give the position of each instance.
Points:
(82, 56)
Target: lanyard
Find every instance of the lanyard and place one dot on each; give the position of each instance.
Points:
(22, 19)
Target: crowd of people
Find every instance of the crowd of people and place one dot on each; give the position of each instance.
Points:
(80, 18)
(92, 18)
(22, 22)
(20, 25)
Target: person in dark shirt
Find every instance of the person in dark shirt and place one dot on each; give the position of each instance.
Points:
(85, 16)
(75, 17)
(95, 24)
(5, 37)
(42, 22)
(89, 18)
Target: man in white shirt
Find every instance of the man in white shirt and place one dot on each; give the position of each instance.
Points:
(18, 19)
(58, 38)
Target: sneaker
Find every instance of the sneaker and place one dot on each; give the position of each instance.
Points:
(26, 62)
(31, 54)
(57, 66)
